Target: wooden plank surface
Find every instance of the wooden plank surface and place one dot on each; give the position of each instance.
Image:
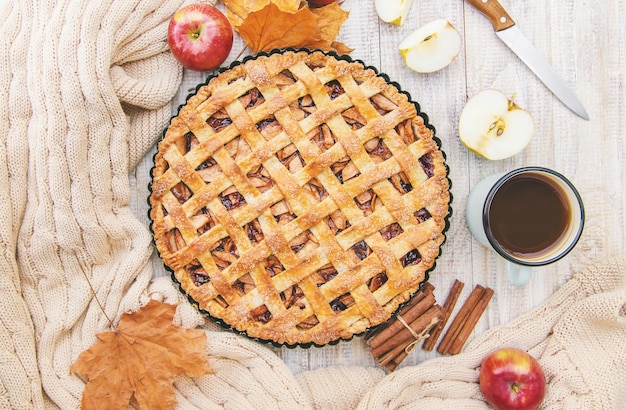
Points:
(585, 42)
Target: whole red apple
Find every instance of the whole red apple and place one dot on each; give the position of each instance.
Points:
(321, 3)
(512, 379)
(200, 37)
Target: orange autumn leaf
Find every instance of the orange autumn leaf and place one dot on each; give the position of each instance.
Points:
(331, 18)
(271, 28)
(238, 10)
(141, 359)
(340, 48)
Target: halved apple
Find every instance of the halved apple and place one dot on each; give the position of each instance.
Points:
(431, 47)
(393, 11)
(493, 126)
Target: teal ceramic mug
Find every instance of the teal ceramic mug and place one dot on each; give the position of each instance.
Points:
(531, 216)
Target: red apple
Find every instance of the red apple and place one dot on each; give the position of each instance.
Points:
(512, 379)
(320, 3)
(200, 37)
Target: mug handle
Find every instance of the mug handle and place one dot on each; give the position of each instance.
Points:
(519, 275)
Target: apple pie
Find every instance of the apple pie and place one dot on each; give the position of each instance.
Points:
(299, 197)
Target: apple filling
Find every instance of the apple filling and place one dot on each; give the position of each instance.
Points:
(353, 118)
(305, 241)
(273, 266)
(426, 162)
(391, 231)
(334, 89)
(269, 127)
(224, 253)
(368, 202)
(377, 281)
(260, 178)
(308, 323)
(412, 257)
(238, 148)
(342, 302)
(254, 231)
(382, 104)
(244, 284)
(290, 158)
(283, 79)
(232, 199)
(197, 273)
(209, 170)
(293, 297)
(203, 220)
(261, 314)
(324, 274)
(422, 215)
(315, 190)
(252, 98)
(361, 250)
(181, 192)
(219, 121)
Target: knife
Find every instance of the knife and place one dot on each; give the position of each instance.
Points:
(508, 32)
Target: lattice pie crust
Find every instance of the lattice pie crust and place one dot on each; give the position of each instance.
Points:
(299, 198)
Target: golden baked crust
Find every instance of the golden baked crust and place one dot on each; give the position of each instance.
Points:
(299, 198)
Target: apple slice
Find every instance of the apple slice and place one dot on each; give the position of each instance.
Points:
(495, 127)
(393, 11)
(431, 47)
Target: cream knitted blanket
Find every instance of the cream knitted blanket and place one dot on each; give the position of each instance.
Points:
(85, 87)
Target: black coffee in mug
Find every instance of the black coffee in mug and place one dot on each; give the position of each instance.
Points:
(529, 214)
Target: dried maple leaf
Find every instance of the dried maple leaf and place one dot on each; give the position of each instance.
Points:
(271, 27)
(141, 359)
(331, 18)
(340, 47)
(238, 10)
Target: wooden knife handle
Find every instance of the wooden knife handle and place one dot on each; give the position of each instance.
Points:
(494, 12)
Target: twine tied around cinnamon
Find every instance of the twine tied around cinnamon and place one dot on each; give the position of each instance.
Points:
(394, 340)
(418, 337)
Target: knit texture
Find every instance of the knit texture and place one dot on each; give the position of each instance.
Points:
(85, 87)
(85, 91)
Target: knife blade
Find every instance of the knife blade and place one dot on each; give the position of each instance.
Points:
(512, 36)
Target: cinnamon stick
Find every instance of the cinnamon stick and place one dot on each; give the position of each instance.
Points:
(403, 338)
(426, 289)
(459, 320)
(394, 357)
(448, 307)
(391, 366)
(471, 322)
(418, 305)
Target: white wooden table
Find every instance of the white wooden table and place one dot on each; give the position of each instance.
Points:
(585, 42)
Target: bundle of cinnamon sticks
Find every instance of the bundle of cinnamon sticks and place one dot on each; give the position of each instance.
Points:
(392, 342)
(423, 320)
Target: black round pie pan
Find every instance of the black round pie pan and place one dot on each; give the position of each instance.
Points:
(424, 116)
